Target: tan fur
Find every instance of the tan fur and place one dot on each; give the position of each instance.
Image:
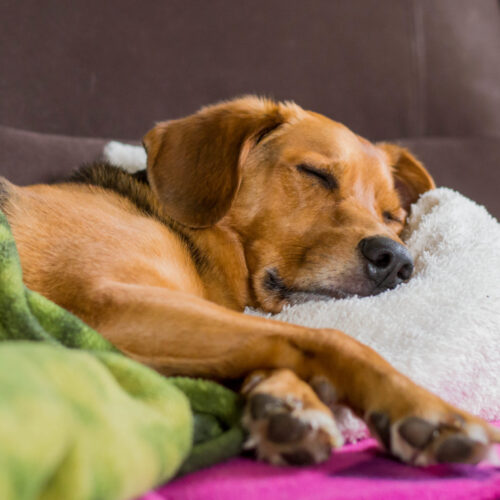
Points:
(241, 199)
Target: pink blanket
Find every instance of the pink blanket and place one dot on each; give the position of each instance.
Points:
(356, 471)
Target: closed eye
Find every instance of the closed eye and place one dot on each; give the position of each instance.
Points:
(388, 216)
(326, 179)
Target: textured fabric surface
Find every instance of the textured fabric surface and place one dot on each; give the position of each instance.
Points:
(29, 157)
(442, 328)
(354, 472)
(87, 422)
(386, 68)
(81, 426)
(466, 164)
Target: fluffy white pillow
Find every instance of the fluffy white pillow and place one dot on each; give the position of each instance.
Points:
(442, 328)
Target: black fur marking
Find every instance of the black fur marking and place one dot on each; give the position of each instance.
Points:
(274, 283)
(4, 192)
(135, 187)
(141, 176)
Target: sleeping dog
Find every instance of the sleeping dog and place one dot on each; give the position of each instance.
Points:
(247, 203)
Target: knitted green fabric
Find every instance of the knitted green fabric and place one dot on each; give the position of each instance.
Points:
(79, 420)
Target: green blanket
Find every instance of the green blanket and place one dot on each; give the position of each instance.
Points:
(78, 420)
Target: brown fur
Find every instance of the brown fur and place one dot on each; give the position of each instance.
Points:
(230, 221)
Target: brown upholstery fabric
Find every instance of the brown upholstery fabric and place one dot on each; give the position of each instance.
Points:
(469, 165)
(460, 63)
(30, 157)
(386, 68)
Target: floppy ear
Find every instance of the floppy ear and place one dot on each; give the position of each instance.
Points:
(411, 179)
(194, 164)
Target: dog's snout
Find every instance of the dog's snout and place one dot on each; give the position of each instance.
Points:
(388, 262)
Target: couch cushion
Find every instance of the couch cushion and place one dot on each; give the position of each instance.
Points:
(471, 166)
(30, 157)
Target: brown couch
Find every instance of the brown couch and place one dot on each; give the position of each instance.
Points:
(424, 72)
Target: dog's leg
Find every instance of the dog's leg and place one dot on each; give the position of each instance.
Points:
(183, 334)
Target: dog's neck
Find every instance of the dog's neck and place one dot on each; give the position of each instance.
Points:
(224, 271)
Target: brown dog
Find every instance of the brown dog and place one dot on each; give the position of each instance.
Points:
(254, 203)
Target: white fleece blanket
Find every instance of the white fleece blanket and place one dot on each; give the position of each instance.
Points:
(442, 328)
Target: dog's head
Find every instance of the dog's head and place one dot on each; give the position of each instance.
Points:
(318, 209)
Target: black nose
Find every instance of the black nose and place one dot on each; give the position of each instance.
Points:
(388, 262)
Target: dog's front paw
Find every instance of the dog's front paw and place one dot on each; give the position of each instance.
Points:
(287, 423)
(433, 432)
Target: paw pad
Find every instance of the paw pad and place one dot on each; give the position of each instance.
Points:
(418, 432)
(455, 449)
(263, 405)
(288, 430)
(284, 428)
(298, 457)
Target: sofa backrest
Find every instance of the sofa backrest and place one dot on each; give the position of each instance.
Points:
(386, 68)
